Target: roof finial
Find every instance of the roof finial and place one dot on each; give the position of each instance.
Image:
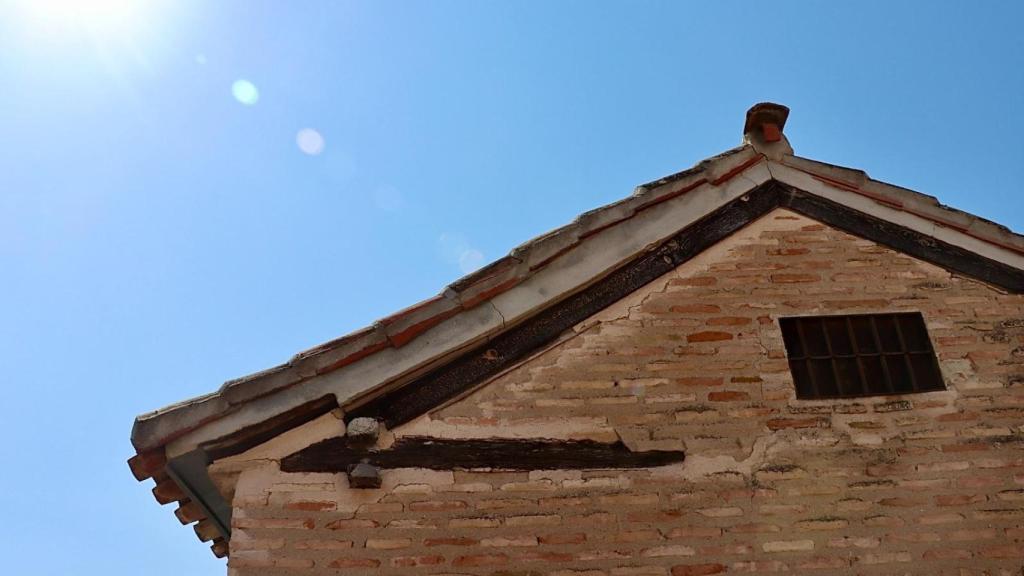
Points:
(764, 126)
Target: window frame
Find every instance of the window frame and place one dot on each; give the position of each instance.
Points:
(820, 372)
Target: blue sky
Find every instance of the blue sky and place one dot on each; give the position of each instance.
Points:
(161, 232)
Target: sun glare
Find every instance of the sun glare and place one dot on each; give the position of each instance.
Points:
(95, 16)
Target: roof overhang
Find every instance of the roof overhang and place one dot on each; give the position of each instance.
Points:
(406, 363)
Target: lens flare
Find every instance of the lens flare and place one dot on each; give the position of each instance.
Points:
(97, 15)
(245, 92)
(310, 141)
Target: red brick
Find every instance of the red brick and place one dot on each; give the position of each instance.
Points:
(699, 381)
(695, 309)
(276, 523)
(728, 321)
(727, 396)
(354, 563)
(452, 541)
(794, 278)
(311, 506)
(698, 569)
(481, 560)
(695, 281)
(709, 336)
(756, 528)
(977, 534)
(536, 556)
(1008, 551)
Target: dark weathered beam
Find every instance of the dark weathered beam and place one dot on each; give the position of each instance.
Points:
(338, 455)
(257, 434)
(905, 240)
(447, 382)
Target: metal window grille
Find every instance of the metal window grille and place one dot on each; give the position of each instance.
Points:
(860, 355)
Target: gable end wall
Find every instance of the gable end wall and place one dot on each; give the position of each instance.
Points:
(918, 484)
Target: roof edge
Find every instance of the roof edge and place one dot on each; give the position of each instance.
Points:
(498, 282)
(161, 426)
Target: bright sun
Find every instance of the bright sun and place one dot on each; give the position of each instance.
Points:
(95, 16)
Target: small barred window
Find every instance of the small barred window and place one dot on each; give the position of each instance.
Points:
(860, 355)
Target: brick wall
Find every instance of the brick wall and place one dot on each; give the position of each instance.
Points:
(919, 484)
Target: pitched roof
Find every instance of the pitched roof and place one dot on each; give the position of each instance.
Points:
(390, 369)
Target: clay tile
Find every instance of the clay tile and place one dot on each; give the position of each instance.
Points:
(763, 130)
(766, 114)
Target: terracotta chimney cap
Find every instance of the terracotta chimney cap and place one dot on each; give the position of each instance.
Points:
(768, 119)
